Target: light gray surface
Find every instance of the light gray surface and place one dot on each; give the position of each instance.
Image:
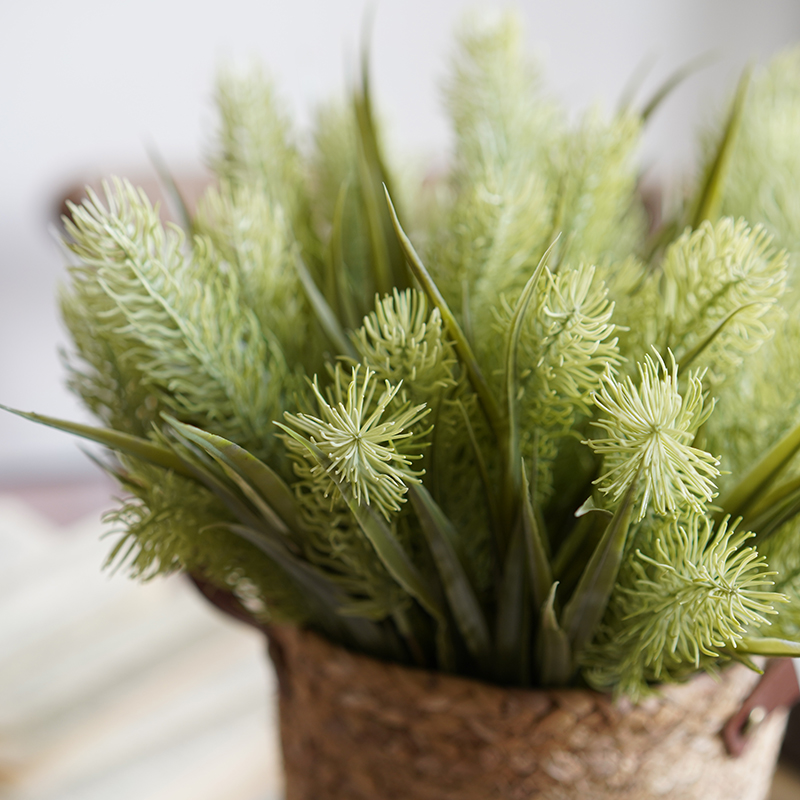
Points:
(109, 689)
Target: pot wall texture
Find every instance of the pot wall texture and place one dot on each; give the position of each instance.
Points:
(358, 729)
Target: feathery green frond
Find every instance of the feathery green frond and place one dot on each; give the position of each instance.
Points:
(715, 272)
(599, 211)
(403, 343)
(251, 235)
(254, 140)
(763, 182)
(175, 318)
(171, 523)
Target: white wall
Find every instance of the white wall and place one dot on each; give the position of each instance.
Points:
(83, 84)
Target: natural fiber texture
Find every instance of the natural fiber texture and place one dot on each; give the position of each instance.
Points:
(353, 727)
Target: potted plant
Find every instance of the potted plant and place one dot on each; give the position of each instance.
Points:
(498, 468)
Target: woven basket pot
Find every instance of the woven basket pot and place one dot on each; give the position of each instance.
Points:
(354, 728)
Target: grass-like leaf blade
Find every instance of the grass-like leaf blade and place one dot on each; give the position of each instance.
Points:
(709, 200)
(114, 440)
(585, 609)
(460, 341)
(673, 81)
(464, 604)
(766, 646)
(269, 485)
(326, 598)
(553, 652)
(749, 490)
(327, 319)
(539, 571)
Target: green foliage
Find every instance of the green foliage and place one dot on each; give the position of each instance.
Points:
(404, 344)
(534, 373)
(721, 280)
(174, 322)
(649, 431)
(763, 185)
(686, 596)
(171, 523)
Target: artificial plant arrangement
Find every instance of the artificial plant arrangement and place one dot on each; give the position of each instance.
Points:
(493, 424)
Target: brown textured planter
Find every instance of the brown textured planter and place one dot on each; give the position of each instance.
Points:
(355, 728)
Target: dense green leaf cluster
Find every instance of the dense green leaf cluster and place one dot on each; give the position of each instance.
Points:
(498, 452)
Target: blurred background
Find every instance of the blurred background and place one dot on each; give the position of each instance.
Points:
(86, 87)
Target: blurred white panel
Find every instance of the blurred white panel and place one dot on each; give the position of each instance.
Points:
(111, 689)
(86, 83)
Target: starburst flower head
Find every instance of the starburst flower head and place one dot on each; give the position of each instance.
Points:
(650, 432)
(359, 435)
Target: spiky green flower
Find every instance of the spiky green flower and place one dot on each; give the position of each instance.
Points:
(650, 432)
(689, 593)
(360, 442)
(174, 321)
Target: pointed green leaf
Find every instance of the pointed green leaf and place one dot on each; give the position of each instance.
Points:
(341, 286)
(709, 201)
(586, 607)
(203, 469)
(464, 604)
(539, 572)
(381, 265)
(280, 507)
(749, 490)
(572, 549)
(553, 650)
(460, 341)
(776, 517)
(513, 617)
(327, 319)
(512, 384)
(391, 270)
(763, 511)
(115, 440)
(325, 597)
(588, 506)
